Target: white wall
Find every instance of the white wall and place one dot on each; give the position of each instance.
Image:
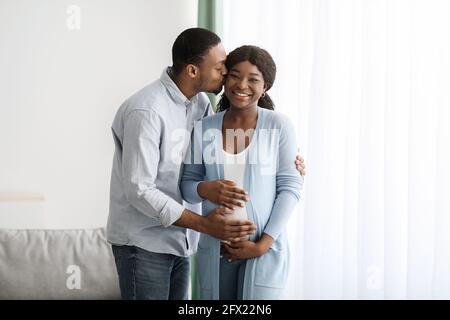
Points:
(59, 90)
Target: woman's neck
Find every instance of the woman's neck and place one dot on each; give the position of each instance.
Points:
(244, 116)
(234, 119)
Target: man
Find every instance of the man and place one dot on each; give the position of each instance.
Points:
(151, 232)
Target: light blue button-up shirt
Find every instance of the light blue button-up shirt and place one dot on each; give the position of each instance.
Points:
(151, 133)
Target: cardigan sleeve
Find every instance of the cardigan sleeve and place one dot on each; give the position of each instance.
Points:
(289, 182)
(193, 167)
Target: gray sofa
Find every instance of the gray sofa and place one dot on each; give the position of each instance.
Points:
(57, 264)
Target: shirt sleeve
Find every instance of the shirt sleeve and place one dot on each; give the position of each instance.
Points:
(142, 134)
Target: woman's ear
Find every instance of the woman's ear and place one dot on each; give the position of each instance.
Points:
(264, 91)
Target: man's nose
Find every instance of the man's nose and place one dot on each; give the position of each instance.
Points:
(224, 71)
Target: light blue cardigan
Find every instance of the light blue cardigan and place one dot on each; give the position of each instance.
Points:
(273, 184)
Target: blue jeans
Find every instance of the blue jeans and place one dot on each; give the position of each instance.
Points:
(145, 275)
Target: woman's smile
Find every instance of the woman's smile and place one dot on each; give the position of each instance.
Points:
(241, 95)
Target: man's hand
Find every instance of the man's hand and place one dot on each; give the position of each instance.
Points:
(300, 164)
(223, 192)
(216, 225)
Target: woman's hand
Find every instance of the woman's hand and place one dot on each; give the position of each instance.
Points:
(248, 249)
(223, 192)
(241, 250)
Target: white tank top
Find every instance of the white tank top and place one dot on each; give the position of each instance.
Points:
(234, 170)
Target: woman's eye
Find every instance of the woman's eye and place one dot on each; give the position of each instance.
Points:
(234, 76)
(254, 80)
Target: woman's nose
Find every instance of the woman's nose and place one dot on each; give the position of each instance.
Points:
(242, 84)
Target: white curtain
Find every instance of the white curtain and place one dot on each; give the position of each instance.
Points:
(367, 83)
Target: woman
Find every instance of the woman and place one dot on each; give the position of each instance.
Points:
(248, 143)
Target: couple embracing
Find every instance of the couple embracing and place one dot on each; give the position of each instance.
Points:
(239, 163)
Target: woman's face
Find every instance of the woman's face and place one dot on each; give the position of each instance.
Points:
(244, 85)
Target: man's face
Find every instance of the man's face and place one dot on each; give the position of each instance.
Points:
(213, 70)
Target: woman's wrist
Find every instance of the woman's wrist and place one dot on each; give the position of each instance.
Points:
(264, 243)
(261, 248)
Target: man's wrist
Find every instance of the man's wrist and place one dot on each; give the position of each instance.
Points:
(201, 225)
(191, 220)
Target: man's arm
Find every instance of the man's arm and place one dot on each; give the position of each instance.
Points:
(140, 160)
(216, 225)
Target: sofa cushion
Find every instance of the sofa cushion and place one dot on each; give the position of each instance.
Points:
(57, 264)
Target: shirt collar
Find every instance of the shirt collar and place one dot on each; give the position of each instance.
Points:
(174, 91)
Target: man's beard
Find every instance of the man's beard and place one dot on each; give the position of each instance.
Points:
(218, 90)
(204, 88)
(215, 91)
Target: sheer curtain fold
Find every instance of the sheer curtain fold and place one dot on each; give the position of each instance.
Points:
(367, 84)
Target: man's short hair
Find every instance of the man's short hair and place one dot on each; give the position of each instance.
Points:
(191, 46)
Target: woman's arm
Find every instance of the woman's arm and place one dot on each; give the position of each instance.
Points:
(288, 185)
(289, 182)
(193, 167)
